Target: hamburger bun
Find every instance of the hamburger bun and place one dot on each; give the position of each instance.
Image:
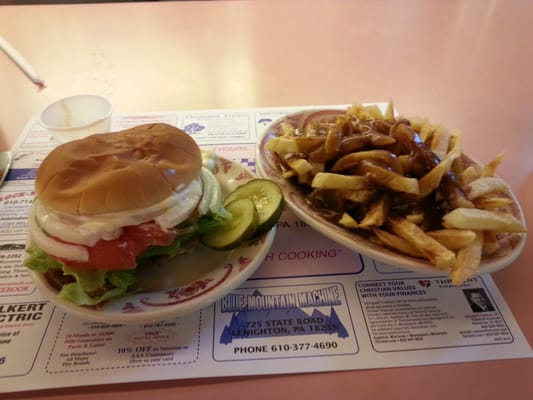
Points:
(118, 171)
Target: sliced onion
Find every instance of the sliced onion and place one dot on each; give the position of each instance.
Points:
(53, 247)
(212, 194)
(185, 203)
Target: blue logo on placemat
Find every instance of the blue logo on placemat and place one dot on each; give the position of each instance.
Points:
(261, 315)
(264, 121)
(193, 128)
(20, 174)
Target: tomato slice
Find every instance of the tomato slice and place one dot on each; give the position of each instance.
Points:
(120, 253)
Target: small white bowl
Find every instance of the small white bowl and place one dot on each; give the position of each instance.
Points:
(77, 116)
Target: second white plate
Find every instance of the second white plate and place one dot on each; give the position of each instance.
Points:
(267, 167)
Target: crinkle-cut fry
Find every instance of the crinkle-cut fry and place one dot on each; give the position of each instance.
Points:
(377, 212)
(389, 179)
(476, 219)
(493, 203)
(329, 180)
(435, 252)
(490, 168)
(453, 239)
(468, 261)
(397, 243)
(485, 186)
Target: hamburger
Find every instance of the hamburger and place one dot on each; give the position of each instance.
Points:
(111, 202)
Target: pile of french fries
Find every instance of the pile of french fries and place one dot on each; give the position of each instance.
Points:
(403, 183)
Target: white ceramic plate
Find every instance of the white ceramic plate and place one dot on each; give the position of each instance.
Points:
(184, 284)
(267, 167)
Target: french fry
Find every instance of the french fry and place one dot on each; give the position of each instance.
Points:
(282, 145)
(468, 260)
(362, 196)
(415, 218)
(432, 179)
(384, 157)
(289, 174)
(470, 174)
(333, 140)
(439, 255)
(396, 243)
(287, 129)
(476, 219)
(365, 113)
(493, 203)
(426, 132)
(453, 239)
(389, 111)
(328, 180)
(377, 213)
(418, 124)
(454, 194)
(405, 182)
(455, 144)
(490, 168)
(389, 179)
(491, 243)
(348, 222)
(300, 165)
(440, 141)
(484, 186)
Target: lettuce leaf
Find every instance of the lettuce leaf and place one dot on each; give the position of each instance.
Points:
(211, 221)
(205, 224)
(90, 287)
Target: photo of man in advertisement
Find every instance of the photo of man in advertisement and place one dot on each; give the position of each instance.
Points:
(478, 300)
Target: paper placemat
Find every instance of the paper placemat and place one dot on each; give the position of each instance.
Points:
(312, 306)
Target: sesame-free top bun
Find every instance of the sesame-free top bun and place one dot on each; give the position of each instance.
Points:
(118, 171)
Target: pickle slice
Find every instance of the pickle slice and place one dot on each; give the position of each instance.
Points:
(235, 230)
(267, 198)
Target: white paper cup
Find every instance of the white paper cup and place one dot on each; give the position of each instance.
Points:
(78, 116)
